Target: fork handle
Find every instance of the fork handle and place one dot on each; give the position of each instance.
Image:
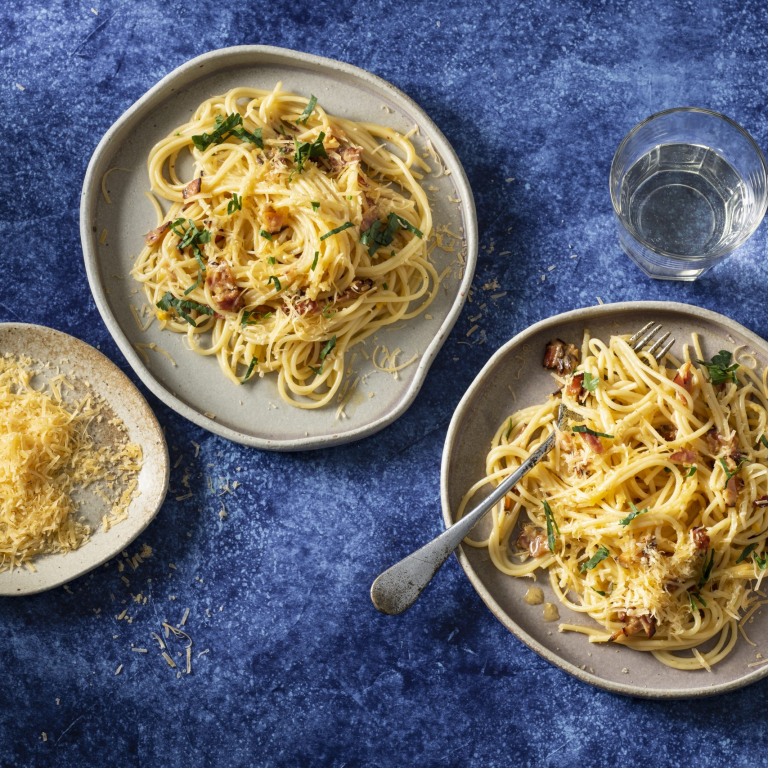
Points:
(398, 588)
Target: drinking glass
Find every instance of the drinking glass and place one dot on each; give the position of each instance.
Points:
(688, 187)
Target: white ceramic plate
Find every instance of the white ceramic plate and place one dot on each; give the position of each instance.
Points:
(81, 362)
(474, 423)
(255, 414)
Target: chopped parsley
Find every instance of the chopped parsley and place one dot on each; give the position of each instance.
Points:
(271, 260)
(325, 312)
(691, 472)
(273, 279)
(315, 206)
(550, 522)
(223, 128)
(323, 354)
(336, 231)
(509, 429)
(761, 562)
(764, 440)
(235, 204)
(633, 514)
(599, 592)
(266, 235)
(706, 570)
(169, 301)
(305, 150)
(380, 236)
(598, 557)
(590, 382)
(248, 315)
(385, 287)
(314, 261)
(720, 368)
(697, 596)
(254, 362)
(194, 285)
(308, 110)
(748, 550)
(728, 473)
(191, 237)
(589, 431)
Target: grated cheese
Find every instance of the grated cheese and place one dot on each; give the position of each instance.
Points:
(47, 452)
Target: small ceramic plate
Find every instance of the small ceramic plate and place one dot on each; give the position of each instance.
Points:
(255, 414)
(518, 365)
(81, 363)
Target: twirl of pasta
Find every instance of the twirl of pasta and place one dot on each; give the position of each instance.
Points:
(300, 235)
(652, 520)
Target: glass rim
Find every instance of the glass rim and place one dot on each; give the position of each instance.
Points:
(703, 111)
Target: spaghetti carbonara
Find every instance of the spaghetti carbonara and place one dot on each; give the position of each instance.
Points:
(299, 235)
(650, 517)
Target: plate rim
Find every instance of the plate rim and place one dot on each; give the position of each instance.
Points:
(156, 429)
(449, 448)
(92, 188)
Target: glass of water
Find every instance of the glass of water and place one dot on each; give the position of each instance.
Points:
(688, 186)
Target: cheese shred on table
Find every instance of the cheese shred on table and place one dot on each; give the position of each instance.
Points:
(47, 452)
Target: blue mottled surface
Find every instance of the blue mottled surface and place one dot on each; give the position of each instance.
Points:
(301, 669)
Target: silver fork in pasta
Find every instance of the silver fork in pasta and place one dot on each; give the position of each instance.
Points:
(645, 335)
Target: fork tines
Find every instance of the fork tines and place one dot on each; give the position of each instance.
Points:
(644, 336)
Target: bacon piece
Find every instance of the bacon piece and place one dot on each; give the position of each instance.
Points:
(700, 537)
(576, 387)
(732, 488)
(193, 188)
(344, 157)
(225, 293)
(356, 288)
(362, 181)
(273, 221)
(370, 216)
(684, 379)
(593, 442)
(683, 456)
(150, 238)
(761, 502)
(667, 432)
(733, 458)
(635, 625)
(534, 540)
(306, 307)
(560, 356)
(714, 440)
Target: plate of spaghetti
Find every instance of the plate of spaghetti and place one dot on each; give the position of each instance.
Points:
(279, 244)
(633, 555)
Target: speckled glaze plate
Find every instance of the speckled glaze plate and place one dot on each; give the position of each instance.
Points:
(255, 414)
(81, 363)
(485, 404)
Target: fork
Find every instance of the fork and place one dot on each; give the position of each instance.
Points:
(400, 586)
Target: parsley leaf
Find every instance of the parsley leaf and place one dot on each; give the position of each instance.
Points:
(325, 312)
(590, 432)
(550, 521)
(305, 150)
(698, 597)
(191, 237)
(324, 353)
(315, 206)
(728, 473)
(309, 109)
(314, 261)
(337, 230)
(632, 515)
(590, 382)
(273, 279)
(170, 301)
(380, 236)
(509, 429)
(599, 592)
(235, 204)
(272, 260)
(691, 472)
(748, 550)
(248, 373)
(764, 440)
(761, 562)
(266, 235)
(248, 315)
(598, 557)
(194, 285)
(720, 368)
(223, 128)
(706, 570)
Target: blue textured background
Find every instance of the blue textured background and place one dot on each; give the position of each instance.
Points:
(301, 669)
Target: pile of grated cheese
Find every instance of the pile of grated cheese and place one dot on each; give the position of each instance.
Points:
(47, 452)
